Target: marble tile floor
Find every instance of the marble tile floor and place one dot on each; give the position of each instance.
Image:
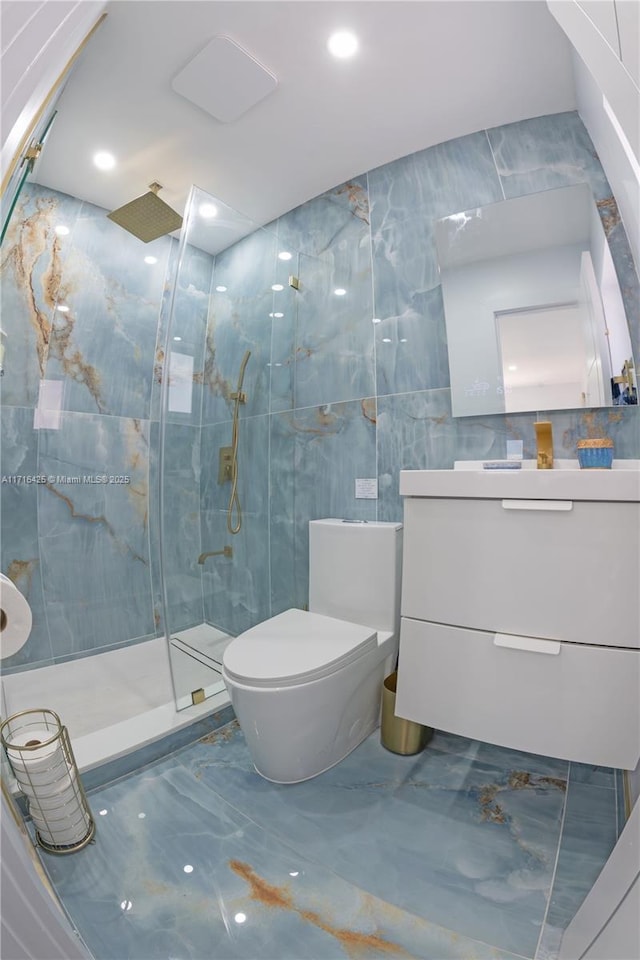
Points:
(465, 851)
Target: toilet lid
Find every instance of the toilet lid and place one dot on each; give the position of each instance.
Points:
(295, 646)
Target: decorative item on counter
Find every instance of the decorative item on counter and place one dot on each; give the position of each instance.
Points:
(41, 759)
(624, 388)
(595, 454)
(515, 450)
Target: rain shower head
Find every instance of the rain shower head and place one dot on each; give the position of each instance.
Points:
(147, 217)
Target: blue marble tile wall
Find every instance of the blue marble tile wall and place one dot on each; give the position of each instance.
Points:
(362, 389)
(84, 313)
(331, 395)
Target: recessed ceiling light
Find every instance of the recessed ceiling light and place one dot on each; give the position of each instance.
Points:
(104, 160)
(278, 315)
(61, 230)
(386, 339)
(403, 339)
(339, 291)
(277, 287)
(376, 320)
(177, 338)
(63, 308)
(284, 255)
(150, 260)
(221, 288)
(208, 210)
(342, 44)
(240, 917)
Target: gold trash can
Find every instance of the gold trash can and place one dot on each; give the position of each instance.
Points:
(396, 734)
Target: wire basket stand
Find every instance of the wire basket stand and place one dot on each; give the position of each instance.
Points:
(39, 752)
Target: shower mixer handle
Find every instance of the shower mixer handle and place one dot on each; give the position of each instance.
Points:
(239, 396)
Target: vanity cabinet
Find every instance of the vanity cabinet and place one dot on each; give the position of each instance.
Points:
(521, 619)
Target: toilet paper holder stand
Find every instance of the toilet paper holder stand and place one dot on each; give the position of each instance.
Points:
(39, 752)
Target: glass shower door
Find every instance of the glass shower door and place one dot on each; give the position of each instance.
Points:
(226, 373)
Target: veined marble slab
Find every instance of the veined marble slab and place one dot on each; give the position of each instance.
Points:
(447, 854)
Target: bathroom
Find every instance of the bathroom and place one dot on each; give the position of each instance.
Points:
(343, 399)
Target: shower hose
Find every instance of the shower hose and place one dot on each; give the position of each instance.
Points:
(234, 510)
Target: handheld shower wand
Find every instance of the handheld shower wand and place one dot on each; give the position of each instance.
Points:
(234, 502)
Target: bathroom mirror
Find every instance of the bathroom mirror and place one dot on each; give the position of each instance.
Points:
(534, 315)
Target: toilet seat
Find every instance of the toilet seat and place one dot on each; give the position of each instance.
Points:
(295, 647)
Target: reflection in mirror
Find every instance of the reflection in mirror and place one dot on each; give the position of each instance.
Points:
(534, 315)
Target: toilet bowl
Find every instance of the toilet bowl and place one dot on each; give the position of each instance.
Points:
(306, 685)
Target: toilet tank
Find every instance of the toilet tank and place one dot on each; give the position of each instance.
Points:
(354, 571)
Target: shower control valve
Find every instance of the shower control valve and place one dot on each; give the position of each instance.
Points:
(225, 465)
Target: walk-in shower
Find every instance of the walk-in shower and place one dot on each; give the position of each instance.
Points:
(137, 363)
(228, 343)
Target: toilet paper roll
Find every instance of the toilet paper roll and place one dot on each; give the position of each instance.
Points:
(15, 618)
(46, 798)
(39, 767)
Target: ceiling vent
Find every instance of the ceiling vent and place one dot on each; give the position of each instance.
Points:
(224, 80)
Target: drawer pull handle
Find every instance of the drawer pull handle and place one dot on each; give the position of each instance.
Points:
(537, 504)
(532, 644)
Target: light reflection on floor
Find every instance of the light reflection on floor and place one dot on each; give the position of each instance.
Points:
(448, 854)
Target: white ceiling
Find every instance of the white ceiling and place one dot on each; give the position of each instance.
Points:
(426, 71)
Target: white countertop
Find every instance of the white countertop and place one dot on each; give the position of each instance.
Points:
(566, 481)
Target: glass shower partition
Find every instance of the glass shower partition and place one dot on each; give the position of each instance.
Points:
(226, 370)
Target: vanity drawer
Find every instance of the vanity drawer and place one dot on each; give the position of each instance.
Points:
(558, 569)
(561, 700)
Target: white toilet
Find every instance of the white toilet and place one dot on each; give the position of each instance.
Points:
(306, 686)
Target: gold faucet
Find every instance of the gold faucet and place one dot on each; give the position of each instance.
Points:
(225, 552)
(544, 444)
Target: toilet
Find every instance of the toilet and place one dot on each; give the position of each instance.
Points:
(306, 685)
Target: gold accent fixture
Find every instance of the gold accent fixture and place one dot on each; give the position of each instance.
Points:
(401, 736)
(225, 465)
(225, 552)
(197, 696)
(544, 444)
(234, 501)
(294, 282)
(627, 375)
(32, 153)
(147, 217)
